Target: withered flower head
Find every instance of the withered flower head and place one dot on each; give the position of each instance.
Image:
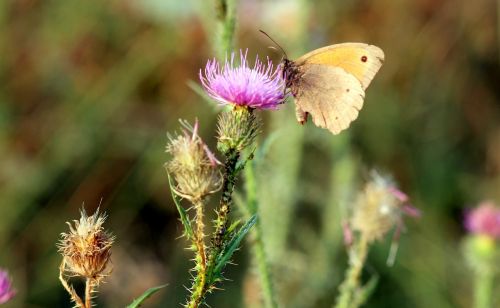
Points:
(193, 166)
(379, 208)
(86, 248)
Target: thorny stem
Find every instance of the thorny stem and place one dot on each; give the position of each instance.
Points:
(229, 180)
(483, 287)
(351, 284)
(89, 286)
(201, 260)
(74, 297)
(205, 282)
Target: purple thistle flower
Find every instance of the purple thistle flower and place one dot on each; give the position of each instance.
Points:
(260, 87)
(6, 290)
(484, 220)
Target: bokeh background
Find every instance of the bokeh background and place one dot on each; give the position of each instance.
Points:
(88, 90)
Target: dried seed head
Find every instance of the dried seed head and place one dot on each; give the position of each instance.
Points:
(86, 249)
(237, 129)
(379, 208)
(193, 166)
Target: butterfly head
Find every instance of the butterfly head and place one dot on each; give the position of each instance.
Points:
(289, 73)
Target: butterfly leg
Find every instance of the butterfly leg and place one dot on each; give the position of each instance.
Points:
(301, 115)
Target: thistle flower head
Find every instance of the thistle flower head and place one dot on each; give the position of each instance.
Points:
(380, 207)
(484, 220)
(6, 290)
(86, 248)
(193, 165)
(260, 87)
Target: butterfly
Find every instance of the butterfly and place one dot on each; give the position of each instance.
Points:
(329, 83)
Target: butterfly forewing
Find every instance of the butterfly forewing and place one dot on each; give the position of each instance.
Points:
(359, 59)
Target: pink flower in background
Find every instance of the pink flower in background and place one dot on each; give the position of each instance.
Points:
(260, 87)
(6, 290)
(484, 220)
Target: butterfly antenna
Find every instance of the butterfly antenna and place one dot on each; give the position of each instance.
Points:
(281, 48)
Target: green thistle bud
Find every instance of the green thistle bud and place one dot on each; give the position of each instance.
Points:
(237, 129)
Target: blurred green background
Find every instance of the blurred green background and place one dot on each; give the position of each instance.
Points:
(89, 89)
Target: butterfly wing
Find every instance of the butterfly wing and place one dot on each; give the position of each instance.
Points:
(329, 94)
(358, 59)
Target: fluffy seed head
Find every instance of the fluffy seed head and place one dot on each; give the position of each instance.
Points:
(260, 87)
(86, 248)
(193, 166)
(379, 208)
(6, 290)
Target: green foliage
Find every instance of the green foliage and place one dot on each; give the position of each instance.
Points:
(186, 222)
(149, 292)
(230, 247)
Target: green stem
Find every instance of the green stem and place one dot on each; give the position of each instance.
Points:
(351, 284)
(258, 244)
(264, 273)
(205, 278)
(483, 289)
(226, 15)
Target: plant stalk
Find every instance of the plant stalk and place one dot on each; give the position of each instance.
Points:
(258, 245)
(264, 273)
(226, 16)
(198, 289)
(89, 286)
(483, 288)
(351, 283)
(74, 297)
(204, 282)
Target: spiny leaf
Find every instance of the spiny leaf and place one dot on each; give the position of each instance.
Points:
(188, 230)
(240, 165)
(224, 257)
(233, 226)
(138, 302)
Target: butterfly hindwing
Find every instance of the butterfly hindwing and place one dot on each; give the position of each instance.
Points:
(329, 94)
(329, 83)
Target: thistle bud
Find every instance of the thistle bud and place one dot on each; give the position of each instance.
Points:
(237, 129)
(379, 208)
(6, 290)
(86, 248)
(482, 245)
(193, 166)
